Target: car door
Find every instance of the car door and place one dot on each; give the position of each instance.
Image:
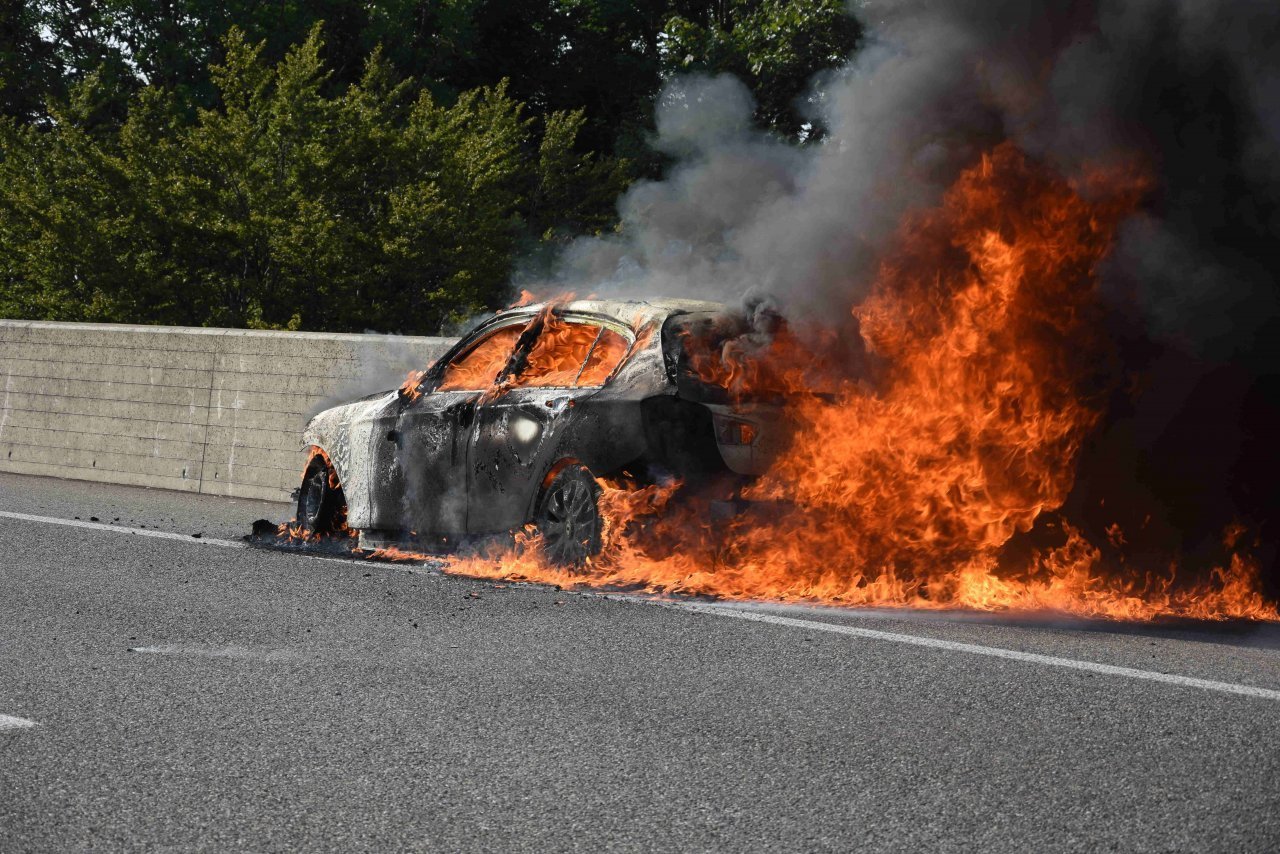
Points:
(520, 433)
(420, 458)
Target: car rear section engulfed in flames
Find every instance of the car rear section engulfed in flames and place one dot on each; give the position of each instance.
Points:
(935, 475)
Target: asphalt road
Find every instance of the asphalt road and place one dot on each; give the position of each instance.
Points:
(274, 701)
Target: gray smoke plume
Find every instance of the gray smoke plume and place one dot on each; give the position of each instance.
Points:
(1188, 91)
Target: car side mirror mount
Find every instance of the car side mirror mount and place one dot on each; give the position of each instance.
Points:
(411, 388)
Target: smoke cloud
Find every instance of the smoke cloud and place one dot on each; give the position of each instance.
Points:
(1185, 91)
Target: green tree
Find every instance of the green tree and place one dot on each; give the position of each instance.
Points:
(287, 205)
(201, 162)
(605, 57)
(28, 70)
(775, 46)
(63, 242)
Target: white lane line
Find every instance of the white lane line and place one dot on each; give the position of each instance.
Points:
(182, 538)
(992, 651)
(10, 722)
(202, 651)
(120, 529)
(813, 625)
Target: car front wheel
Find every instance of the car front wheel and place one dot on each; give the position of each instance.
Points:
(569, 517)
(321, 504)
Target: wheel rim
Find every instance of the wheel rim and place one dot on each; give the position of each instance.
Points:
(313, 498)
(571, 522)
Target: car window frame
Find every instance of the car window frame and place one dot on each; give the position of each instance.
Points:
(589, 320)
(464, 348)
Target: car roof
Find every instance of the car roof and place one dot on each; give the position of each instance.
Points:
(630, 312)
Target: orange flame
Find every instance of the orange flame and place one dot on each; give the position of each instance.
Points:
(412, 385)
(479, 368)
(910, 494)
(556, 357)
(292, 533)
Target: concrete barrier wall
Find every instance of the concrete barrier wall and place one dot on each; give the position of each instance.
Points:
(218, 411)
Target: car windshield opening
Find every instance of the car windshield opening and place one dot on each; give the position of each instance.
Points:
(477, 368)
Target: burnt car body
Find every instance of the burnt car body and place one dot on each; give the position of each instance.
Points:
(517, 420)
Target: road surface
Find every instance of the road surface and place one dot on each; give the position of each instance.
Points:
(159, 691)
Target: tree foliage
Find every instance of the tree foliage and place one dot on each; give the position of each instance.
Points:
(285, 206)
(775, 46)
(222, 163)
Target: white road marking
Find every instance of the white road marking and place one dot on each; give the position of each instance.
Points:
(218, 652)
(120, 529)
(976, 649)
(756, 616)
(10, 722)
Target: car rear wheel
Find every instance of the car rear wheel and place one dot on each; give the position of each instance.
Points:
(320, 500)
(569, 517)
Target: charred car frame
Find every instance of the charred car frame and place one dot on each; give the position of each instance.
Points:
(518, 420)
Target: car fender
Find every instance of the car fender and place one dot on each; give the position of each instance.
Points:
(344, 434)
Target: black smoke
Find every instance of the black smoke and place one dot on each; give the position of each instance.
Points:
(1187, 92)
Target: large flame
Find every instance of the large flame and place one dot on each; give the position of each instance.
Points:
(910, 490)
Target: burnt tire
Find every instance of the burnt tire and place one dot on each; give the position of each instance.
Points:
(320, 503)
(568, 517)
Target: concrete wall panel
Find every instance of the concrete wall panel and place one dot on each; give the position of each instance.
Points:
(203, 410)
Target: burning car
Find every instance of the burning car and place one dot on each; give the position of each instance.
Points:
(518, 420)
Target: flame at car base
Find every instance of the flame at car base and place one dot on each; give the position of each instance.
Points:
(986, 317)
